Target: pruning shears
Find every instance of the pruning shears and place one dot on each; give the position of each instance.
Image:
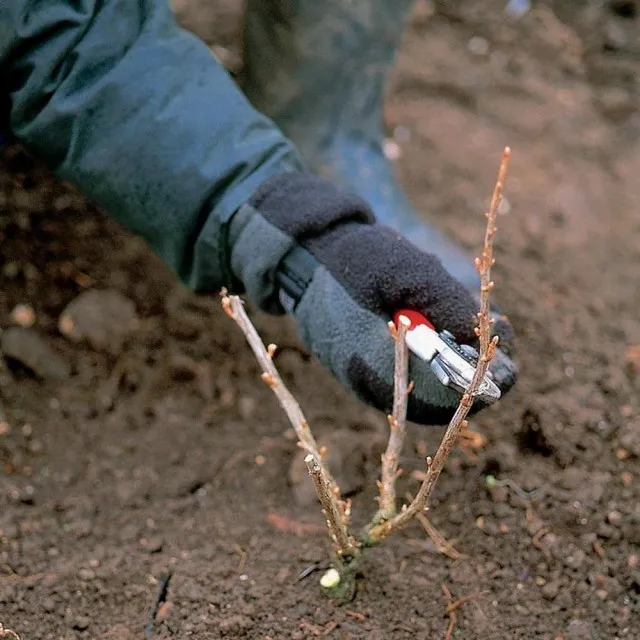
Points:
(453, 364)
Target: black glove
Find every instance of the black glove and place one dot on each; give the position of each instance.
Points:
(344, 277)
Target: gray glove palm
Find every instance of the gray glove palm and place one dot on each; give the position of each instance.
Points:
(345, 276)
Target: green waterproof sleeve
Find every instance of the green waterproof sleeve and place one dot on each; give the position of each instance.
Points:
(116, 98)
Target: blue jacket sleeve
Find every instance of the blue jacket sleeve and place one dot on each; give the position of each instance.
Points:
(116, 98)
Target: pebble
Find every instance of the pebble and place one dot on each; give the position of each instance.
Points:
(152, 545)
(614, 518)
(608, 532)
(102, 318)
(574, 558)
(550, 590)
(478, 46)
(86, 574)
(28, 347)
(499, 494)
(49, 605)
(81, 623)
(23, 315)
(391, 149)
(615, 35)
(629, 437)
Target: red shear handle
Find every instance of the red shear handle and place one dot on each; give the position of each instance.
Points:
(414, 317)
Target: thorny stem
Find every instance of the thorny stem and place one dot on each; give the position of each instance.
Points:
(487, 349)
(337, 510)
(344, 545)
(397, 421)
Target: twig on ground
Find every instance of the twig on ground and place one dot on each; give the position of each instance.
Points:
(486, 351)
(453, 616)
(452, 607)
(161, 596)
(336, 509)
(397, 421)
(442, 544)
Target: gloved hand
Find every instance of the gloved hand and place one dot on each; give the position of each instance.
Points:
(344, 276)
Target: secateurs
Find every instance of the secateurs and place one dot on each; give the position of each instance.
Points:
(452, 363)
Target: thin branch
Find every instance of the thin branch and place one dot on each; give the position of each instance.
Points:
(337, 510)
(344, 545)
(442, 544)
(453, 616)
(487, 349)
(397, 420)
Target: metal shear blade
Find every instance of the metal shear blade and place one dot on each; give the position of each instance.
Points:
(453, 364)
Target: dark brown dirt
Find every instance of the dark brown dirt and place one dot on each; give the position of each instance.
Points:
(168, 452)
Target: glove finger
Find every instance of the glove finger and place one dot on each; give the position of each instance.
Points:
(357, 346)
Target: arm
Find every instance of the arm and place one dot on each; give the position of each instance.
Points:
(119, 100)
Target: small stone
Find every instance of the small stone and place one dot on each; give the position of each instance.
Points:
(23, 315)
(550, 590)
(49, 605)
(391, 149)
(626, 478)
(614, 518)
(615, 35)
(81, 623)
(152, 545)
(498, 493)
(602, 594)
(608, 532)
(575, 558)
(86, 574)
(25, 495)
(102, 318)
(633, 560)
(629, 437)
(29, 348)
(478, 46)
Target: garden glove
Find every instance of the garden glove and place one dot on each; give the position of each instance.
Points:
(304, 246)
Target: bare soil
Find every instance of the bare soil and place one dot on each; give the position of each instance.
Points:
(157, 447)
